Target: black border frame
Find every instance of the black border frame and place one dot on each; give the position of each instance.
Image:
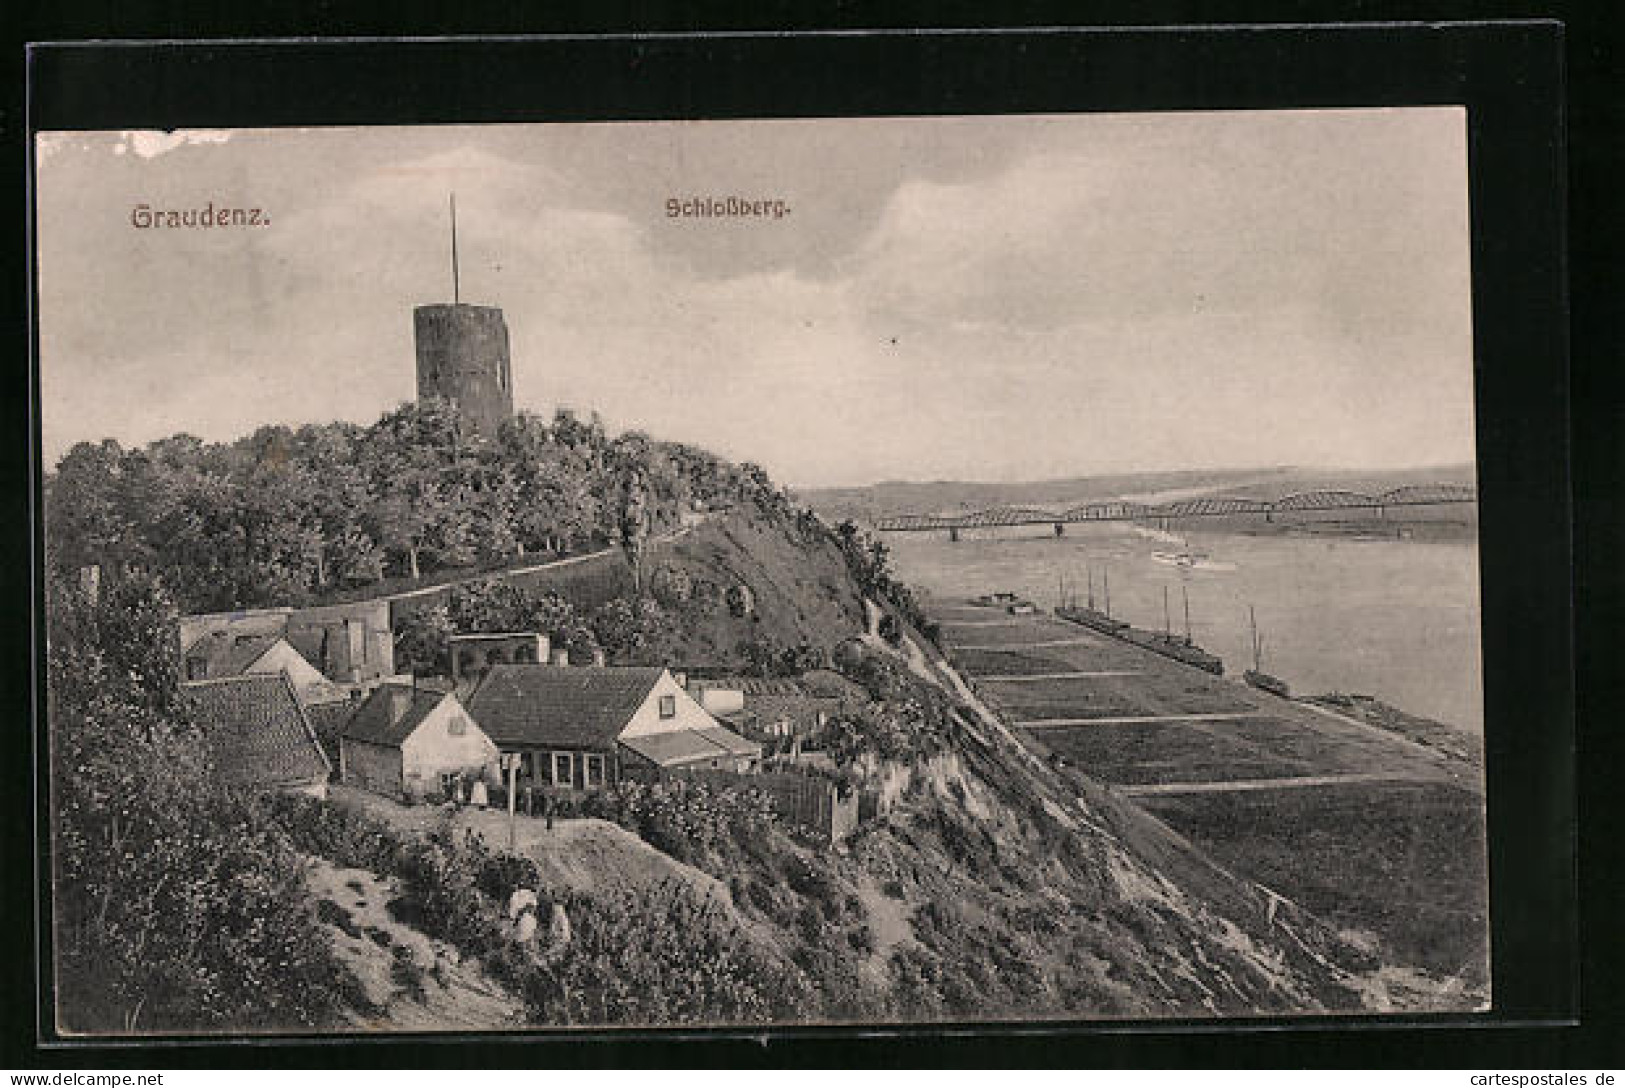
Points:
(1509, 75)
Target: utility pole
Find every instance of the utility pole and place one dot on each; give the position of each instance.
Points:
(512, 759)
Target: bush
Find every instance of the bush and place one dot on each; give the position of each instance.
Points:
(688, 819)
(348, 838)
(503, 874)
(175, 909)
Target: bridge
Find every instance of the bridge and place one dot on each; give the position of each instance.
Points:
(1216, 506)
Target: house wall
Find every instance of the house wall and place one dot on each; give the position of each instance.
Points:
(358, 641)
(250, 622)
(434, 749)
(306, 678)
(689, 714)
(722, 700)
(473, 655)
(374, 767)
(542, 761)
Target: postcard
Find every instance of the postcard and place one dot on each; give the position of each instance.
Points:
(874, 571)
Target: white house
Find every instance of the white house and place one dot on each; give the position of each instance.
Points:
(222, 653)
(414, 743)
(586, 727)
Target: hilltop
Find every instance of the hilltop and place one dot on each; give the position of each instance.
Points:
(992, 886)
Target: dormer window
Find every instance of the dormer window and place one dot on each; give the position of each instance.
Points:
(668, 706)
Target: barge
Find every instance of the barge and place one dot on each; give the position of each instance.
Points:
(1256, 677)
(1179, 649)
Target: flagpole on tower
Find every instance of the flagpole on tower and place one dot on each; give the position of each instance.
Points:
(455, 295)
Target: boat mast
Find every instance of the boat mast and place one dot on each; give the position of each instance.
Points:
(1106, 575)
(1091, 573)
(1258, 649)
(1167, 625)
(456, 292)
(1185, 592)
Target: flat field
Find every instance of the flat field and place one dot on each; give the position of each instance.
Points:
(1404, 860)
(1394, 857)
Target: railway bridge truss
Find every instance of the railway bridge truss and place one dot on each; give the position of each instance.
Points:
(1214, 506)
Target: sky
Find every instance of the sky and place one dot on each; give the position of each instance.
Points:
(988, 298)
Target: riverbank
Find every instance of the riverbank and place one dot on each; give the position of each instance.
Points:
(1361, 814)
(1395, 619)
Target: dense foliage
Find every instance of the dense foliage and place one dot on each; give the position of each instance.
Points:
(287, 516)
(869, 561)
(669, 954)
(173, 909)
(621, 627)
(689, 819)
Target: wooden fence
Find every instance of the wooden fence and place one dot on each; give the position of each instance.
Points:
(807, 801)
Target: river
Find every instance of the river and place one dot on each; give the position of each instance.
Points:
(1397, 619)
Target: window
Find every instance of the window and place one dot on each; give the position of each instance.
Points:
(595, 770)
(561, 769)
(668, 706)
(527, 766)
(197, 669)
(457, 726)
(448, 783)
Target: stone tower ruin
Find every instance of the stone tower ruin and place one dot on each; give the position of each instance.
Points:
(462, 353)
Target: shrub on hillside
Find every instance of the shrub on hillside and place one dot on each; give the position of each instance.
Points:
(174, 910)
(688, 819)
(345, 836)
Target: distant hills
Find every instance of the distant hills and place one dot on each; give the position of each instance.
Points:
(892, 497)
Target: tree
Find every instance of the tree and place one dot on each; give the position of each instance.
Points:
(173, 911)
(633, 523)
(85, 522)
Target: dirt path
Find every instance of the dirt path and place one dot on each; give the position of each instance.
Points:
(415, 982)
(1244, 785)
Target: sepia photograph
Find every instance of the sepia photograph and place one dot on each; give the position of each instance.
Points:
(876, 571)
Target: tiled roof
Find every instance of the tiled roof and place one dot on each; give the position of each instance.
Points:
(572, 707)
(229, 653)
(375, 720)
(731, 742)
(831, 684)
(257, 730)
(681, 746)
(752, 685)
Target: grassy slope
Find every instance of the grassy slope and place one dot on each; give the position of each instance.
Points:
(993, 889)
(996, 888)
(801, 590)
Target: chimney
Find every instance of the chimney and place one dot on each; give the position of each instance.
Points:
(400, 701)
(561, 657)
(598, 658)
(681, 678)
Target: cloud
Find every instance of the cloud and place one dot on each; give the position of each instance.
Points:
(149, 143)
(1154, 294)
